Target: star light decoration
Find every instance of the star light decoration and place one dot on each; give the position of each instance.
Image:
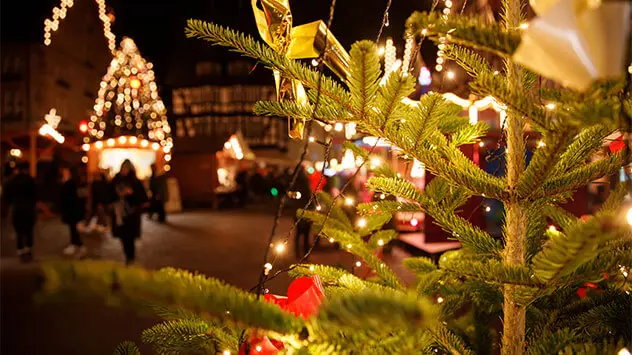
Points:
(59, 13)
(128, 104)
(50, 127)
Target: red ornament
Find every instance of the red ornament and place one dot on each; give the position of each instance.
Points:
(304, 296)
(617, 145)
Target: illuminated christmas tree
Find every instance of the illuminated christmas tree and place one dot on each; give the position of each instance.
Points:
(128, 103)
(128, 114)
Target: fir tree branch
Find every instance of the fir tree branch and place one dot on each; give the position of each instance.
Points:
(168, 286)
(183, 336)
(583, 145)
(126, 348)
(364, 80)
(249, 47)
(294, 109)
(420, 265)
(465, 30)
(581, 176)
(542, 163)
(491, 271)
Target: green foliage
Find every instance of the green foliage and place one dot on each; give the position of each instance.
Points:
(452, 307)
(126, 348)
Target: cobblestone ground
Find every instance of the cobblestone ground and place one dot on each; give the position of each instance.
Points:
(228, 245)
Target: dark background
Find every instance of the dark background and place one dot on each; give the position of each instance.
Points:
(157, 26)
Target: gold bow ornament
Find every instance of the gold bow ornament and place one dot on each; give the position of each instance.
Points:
(576, 42)
(274, 22)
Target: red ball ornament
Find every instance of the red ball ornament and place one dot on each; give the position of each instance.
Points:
(617, 145)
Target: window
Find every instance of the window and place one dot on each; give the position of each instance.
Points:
(239, 67)
(7, 103)
(208, 68)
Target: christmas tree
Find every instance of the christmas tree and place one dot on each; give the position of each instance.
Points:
(128, 103)
(529, 279)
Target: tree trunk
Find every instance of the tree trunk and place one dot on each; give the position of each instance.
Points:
(516, 217)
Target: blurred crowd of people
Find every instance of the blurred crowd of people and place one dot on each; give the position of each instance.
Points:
(108, 206)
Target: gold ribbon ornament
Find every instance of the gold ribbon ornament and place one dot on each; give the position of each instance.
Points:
(274, 22)
(576, 42)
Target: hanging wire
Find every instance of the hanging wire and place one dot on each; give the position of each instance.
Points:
(264, 272)
(385, 21)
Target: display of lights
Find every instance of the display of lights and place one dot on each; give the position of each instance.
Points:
(338, 127)
(475, 106)
(361, 223)
(59, 13)
(350, 130)
(414, 222)
(84, 159)
(127, 106)
(86, 147)
(50, 127)
(408, 53)
(349, 201)
(16, 153)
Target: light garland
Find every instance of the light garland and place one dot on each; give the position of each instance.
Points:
(440, 61)
(128, 94)
(408, 53)
(59, 13)
(50, 127)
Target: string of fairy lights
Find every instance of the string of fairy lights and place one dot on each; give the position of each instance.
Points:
(51, 24)
(128, 98)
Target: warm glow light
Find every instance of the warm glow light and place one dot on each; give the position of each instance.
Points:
(481, 144)
(541, 144)
(414, 222)
(84, 159)
(487, 209)
(450, 74)
(110, 142)
(134, 140)
(280, 248)
(167, 157)
(86, 147)
(361, 223)
(315, 62)
(349, 201)
(380, 242)
(380, 51)
(375, 162)
(47, 130)
(98, 144)
(524, 26)
(328, 127)
(122, 139)
(267, 266)
(358, 264)
(331, 240)
(439, 299)
(550, 106)
(624, 351)
(226, 352)
(318, 208)
(167, 167)
(552, 228)
(629, 216)
(349, 246)
(311, 139)
(134, 83)
(155, 146)
(338, 127)
(144, 143)
(227, 145)
(258, 348)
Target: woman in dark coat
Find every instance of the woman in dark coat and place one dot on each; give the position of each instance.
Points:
(71, 213)
(129, 197)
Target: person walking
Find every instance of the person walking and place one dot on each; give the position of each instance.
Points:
(71, 213)
(20, 193)
(128, 198)
(158, 188)
(302, 192)
(99, 198)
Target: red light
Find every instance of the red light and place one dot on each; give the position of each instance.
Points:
(83, 127)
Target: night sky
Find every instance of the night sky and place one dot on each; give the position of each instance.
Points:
(157, 26)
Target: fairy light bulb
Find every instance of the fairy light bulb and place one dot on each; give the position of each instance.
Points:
(311, 139)
(629, 216)
(318, 208)
(440, 299)
(349, 201)
(349, 246)
(267, 267)
(361, 222)
(541, 144)
(331, 240)
(553, 229)
(226, 352)
(98, 144)
(311, 268)
(450, 75)
(110, 142)
(279, 248)
(550, 106)
(358, 264)
(86, 147)
(122, 139)
(624, 351)
(258, 348)
(380, 242)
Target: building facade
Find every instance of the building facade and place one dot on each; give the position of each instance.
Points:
(63, 76)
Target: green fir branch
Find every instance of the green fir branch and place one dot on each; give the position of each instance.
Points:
(468, 31)
(127, 348)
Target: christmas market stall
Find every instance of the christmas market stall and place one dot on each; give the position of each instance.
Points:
(129, 119)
